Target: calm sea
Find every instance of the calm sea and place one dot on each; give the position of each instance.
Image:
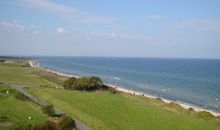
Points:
(194, 81)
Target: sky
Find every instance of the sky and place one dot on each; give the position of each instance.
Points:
(116, 28)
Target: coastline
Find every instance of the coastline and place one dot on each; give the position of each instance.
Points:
(130, 91)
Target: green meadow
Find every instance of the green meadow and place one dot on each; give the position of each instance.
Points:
(14, 72)
(100, 110)
(14, 112)
(104, 110)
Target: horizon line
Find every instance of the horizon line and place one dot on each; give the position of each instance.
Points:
(137, 57)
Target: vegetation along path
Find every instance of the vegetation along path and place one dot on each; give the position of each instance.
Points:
(40, 102)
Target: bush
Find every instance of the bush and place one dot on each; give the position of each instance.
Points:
(159, 101)
(2, 61)
(84, 83)
(113, 90)
(63, 123)
(175, 105)
(26, 65)
(105, 87)
(21, 96)
(66, 123)
(3, 118)
(191, 110)
(68, 84)
(49, 126)
(49, 110)
(26, 127)
(204, 114)
(46, 86)
(46, 126)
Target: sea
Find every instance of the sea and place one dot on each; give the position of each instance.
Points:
(192, 81)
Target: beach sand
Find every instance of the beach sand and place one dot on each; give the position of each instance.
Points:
(138, 93)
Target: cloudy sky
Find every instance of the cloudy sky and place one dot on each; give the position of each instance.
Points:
(118, 28)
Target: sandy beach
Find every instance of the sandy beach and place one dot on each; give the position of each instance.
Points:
(121, 89)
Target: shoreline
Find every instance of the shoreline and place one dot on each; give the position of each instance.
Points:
(184, 105)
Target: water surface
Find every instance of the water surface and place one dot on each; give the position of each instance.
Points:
(194, 81)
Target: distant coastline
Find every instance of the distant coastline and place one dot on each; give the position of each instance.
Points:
(184, 105)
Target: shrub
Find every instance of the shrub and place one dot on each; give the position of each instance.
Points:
(26, 127)
(204, 114)
(3, 118)
(49, 126)
(21, 96)
(191, 110)
(66, 123)
(105, 87)
(26, 65)
(95, 82)
(49, 110)
(84, 83)
(175, 105)
(113, 90)
(2, 61)
(159, 101)
(63, 123)
(46, 86)
(46, 126)
(7, 90)
(68, 84)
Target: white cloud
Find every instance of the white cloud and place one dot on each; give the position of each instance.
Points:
(60, 30)
(14, 26)
(35, 32)
(69, 13)
(154, 17)
(114, 34)
(119, 35)
(33, 26)
(101, 35)
(198, 24)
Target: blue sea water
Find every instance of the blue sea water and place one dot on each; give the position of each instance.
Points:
(194, 81)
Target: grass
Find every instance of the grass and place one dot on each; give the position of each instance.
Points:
(31, 77)
(52, 77)
(104, 110)
(98, 110)
(14, 63)
(14, 112)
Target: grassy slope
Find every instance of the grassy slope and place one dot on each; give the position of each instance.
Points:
(18, 111)
(102, 110)
(121, 111)
(31, 77)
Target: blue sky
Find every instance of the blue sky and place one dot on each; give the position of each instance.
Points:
(118, 28)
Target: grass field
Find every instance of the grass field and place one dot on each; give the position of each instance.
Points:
(31, 77)
(14, 112)
(104, 110)
(98, 110)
